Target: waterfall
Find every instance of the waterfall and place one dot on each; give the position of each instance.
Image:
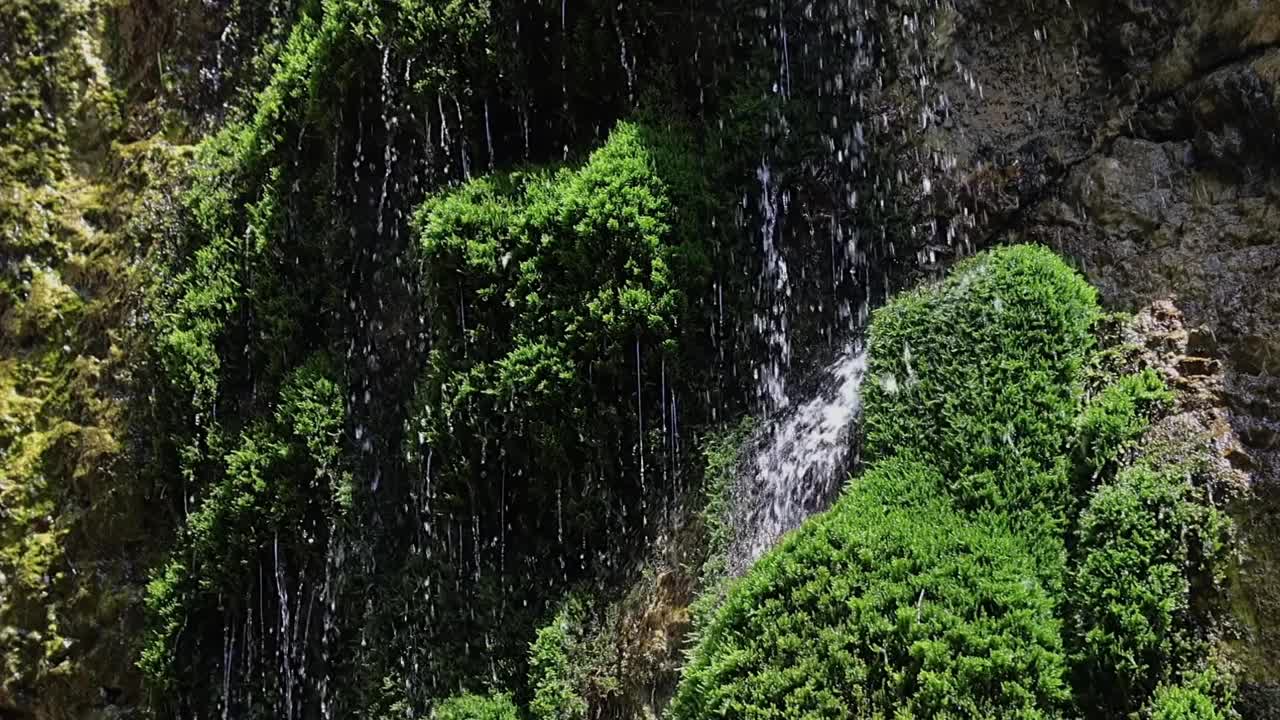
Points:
(793, 465)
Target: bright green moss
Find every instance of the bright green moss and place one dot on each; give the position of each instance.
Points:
(476, 707)
(535, 276)
(982, 374)
(1145, 539)
(1198, 697)
(548, 288)
(312, 410)
(167, 610)
(216, 544)
(1113, 421)
(888, 605)
(569, 263)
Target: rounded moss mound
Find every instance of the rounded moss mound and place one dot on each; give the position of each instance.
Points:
(983, 375)
(1196, 698)
(1148, 540)
(890, 605)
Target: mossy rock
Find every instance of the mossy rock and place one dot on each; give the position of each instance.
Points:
(939, 584)
(889, 605)
(983, 374)
(1147, 541)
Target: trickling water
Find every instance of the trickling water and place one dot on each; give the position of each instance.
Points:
(771, 317)
(795, 463)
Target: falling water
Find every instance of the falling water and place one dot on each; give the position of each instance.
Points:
(794, 464)
(829, 233)
(813, 218)
(774, 293)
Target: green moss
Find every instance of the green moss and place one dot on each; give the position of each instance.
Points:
(553, 677)
(69, 547)
(560, 310)
(1145, 540)
(166, 613)
(1116, 418)
(34, 91)
(888, 605)
(536, 276)
(1199, 697)
(721, 456)
(476, 707)
(217, 545)
(276, 472)
(983, 375)
(577, 262)
(948, 580)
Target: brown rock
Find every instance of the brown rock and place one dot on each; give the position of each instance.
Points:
(1198, 366)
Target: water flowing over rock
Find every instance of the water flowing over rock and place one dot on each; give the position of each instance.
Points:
(796, 463)
(368, 563)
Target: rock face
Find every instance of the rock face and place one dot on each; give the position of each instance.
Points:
(1143, 140)
(1210, 394)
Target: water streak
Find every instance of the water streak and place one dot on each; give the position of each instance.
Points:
(795, 464)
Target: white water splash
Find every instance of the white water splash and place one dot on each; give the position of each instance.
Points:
(795, 464)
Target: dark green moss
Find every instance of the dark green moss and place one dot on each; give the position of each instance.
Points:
(553, 675)
(276, 480)
(721, 455)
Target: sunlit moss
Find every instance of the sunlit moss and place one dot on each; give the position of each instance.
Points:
(957, 577)
(889, 603)
(1146, 540)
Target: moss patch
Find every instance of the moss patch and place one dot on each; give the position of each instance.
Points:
(951, 579)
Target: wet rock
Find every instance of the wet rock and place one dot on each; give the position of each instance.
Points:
(1256, 353)
(1261, 436)
(1235, 118)
(1230, 415)
(1201, 341)
(1259, 701)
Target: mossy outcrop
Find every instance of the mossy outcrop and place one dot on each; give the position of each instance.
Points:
(418, 426)
(958, 576)
(75, 530)
(892, 602)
